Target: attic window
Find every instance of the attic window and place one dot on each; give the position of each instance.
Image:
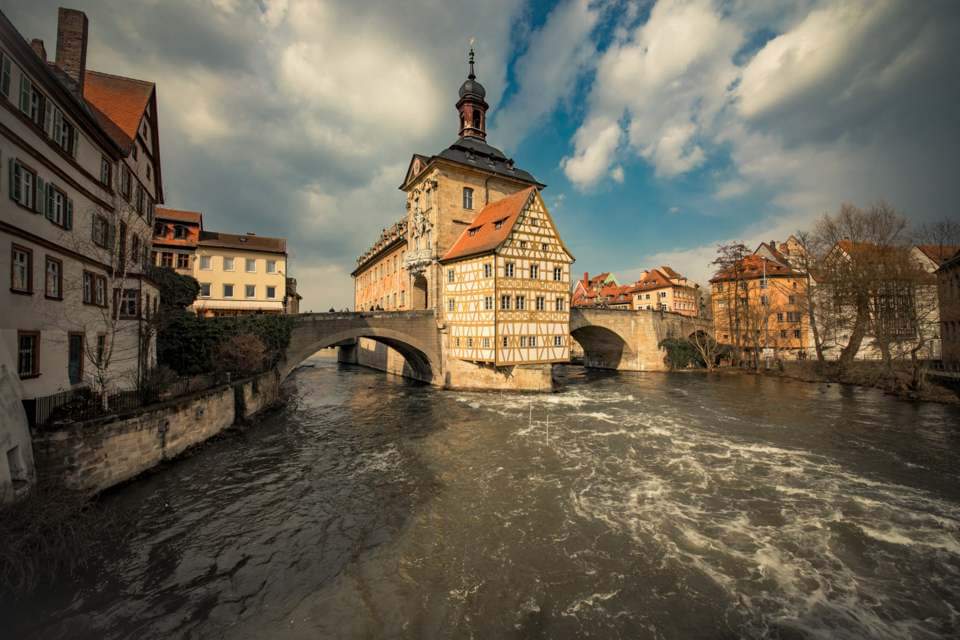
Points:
(499, 223)
(472, 231)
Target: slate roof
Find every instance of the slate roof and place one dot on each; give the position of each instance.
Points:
(246, 242)
(483, 234)
(474, 152)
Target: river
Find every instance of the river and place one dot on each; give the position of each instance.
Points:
(624, 506)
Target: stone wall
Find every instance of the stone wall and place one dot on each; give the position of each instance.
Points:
(97, 454)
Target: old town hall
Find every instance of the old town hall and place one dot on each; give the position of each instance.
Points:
(478, 246)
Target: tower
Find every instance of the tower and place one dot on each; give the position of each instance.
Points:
(472, 106)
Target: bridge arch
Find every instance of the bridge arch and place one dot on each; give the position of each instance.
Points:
(603, 348)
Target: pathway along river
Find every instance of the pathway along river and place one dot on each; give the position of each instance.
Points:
(625, 506)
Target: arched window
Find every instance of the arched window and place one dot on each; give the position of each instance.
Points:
(476, 119)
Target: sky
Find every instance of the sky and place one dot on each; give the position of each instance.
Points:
(662, 128)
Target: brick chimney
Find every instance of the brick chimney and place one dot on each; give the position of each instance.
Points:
(72, 44)
(586, 278)
(39, 49)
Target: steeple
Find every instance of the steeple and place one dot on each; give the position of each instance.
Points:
(471, 106)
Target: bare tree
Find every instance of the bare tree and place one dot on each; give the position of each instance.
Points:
(807, 262)
(708, 348)
(941, 234)
(730, 285)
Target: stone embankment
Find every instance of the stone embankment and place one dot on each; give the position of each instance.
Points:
(97, 454)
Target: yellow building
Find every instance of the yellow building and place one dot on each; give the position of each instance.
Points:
(240, 274)
(506, 294)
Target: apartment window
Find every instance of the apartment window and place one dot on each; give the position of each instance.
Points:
(558, 341)
(451, 303)
(227, 263)
(533, 341)
(251, 290)
(792, 299)
(521, 303)
(251, 265)
(487, 270)
(504, 341)
(508, 270)
(125, 183)
(272, 266)
(779, 316)
(793, 316)
(272, 292)
(523, 244)
(544, 246)
(129, 301)
(488, 303)
(796, 333)
(228, 291)
(21, 269)
(783, 333)
(64, 133)
(179, 232)
(557, 274)
(5, 67)
(534, 271)
(183, 261)
(28, 354)
(559, 304)
(53, 284)
(541, 303)
(75, 342)
(523, 341)
(166, 259)
(205, 263)
(505, 302)
(32, 102)
(23, 185)
(467, 198)
(450, 275)
(105, 171)
(204, 289)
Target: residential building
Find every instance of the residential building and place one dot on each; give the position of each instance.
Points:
(240, 274)
(82, 173)
(759, 306)
(948, 291)
(176, 234)
(659, 289)
(506, 283)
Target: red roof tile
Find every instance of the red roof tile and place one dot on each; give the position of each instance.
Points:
(484, 234)
(179, 215)
(754, 266)
(939, 253)
(122, 101)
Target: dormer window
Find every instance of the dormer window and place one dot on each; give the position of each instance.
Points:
(498, 223)
(473, 231)
(467, 198)
(180, 232)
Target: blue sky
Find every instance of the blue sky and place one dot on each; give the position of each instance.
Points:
(661, 127)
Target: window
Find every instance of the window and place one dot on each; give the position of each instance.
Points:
(251, 265)
(488, 303)
(451, 303)
(272, 292)
(763, 283)
(508, 270)
(250, 290)
(64, 133)
(125, 183)
(183, 261)
(467, 198)
(166, 259)
(796, 333)
(105, 171)
(486, 343)
(521, 303)
(534, 271)
(793, 316)
(541, 303)
(780, 317)
(558, 341)
(159, 230)
(272, 266)
(544, 246)
(450, 275)
(557, 274)
(764, 300)
(228, 291)
(205, 263)
(487, 270)
(135, 251)
(21, 270)
(523, 244)
(204, 289)
(32, 102)
(533, 341)
(5, 65)
(505, 302)
(470, 343)
(53, 284)
(227, 264)
(28, 354)
(792, 299)
(473, 231)
(504, 341)
(75, 342)
(179, 232)
(135, 148)
(24, 186)
(559, 304)
(523, 341)
(129, 302)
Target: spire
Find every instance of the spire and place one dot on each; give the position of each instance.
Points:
(472, 107)
(471, 75)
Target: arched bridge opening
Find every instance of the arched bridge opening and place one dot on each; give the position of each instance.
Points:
(602, 347)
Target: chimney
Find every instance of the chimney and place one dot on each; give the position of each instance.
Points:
(586, 278)
(39, 49)
(72, 44)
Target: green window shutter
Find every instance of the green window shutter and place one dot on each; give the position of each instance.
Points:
(48, 118)
(24, 93)
(49, 202)
(5, 76)
(13, 180)
(68, 214)
(40, 195)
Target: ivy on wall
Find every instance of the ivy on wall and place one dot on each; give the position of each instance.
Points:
(189, 344)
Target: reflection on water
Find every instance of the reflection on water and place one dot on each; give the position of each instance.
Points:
(626, 506)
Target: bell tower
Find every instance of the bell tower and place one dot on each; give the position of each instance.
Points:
(472, 107)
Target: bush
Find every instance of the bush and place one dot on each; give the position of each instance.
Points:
(189, 344)
(243, 355)
(681, 353)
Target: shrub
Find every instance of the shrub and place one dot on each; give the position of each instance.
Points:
(242, 354)
(189, 344)
(681, 353)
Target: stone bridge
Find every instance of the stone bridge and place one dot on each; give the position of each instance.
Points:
(413, 334)
(628, 340)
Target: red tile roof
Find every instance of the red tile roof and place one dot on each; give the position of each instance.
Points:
(939, 253)
(247, 242)
(121, 101)
(179, 215)
(483, 234)
(754, 266)
(651, 280)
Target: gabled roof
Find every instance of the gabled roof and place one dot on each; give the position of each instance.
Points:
(651, 280)
(179, 215)
(754, 266)
(938, 253)
(246, 242)
(476, 153)
(491, 226)
(122, 100)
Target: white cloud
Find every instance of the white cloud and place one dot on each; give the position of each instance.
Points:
(617, 174)
(595, 144)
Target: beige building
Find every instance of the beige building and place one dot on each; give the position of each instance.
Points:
(948, 289)
(506, 286)
(240, 274)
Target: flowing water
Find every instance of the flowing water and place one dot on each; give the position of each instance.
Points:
(624, 506)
